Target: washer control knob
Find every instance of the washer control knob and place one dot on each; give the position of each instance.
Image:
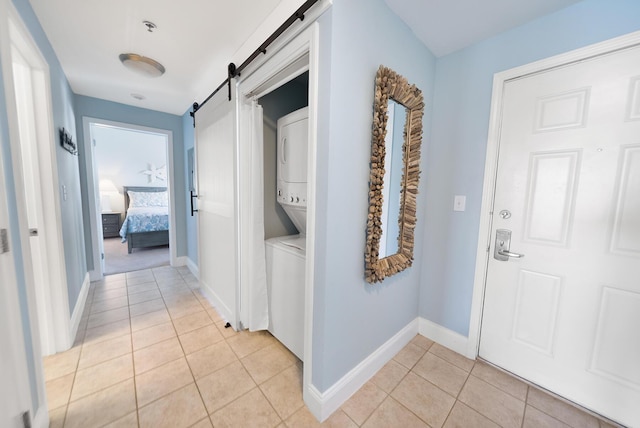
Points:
(291, 198)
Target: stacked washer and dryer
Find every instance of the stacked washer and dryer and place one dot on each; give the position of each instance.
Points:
(286, 255)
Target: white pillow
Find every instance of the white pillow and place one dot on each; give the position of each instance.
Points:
(148, 199)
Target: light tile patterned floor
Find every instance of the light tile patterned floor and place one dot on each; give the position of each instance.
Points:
(152, 352)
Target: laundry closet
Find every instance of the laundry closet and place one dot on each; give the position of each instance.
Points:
(285, 135)
(255, 154)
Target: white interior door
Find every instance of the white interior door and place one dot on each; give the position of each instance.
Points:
(566, 315)
(23, 78)
(38, 195)
(215, 153)
(13, 371)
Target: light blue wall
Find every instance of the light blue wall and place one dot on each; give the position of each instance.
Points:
(108, 110)
(191, 221)
(351, 317)
(456, 153)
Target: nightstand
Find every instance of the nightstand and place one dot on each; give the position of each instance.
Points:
(110, 225)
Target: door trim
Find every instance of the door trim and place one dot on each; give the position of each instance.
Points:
(491, 163)
(95, 221)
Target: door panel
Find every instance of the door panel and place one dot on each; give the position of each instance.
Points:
(625, 238)
(216, 187)
(565, 315)
(551, 188)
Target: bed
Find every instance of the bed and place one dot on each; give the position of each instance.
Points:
(146, 222)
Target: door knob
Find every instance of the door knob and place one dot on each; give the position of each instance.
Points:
(503, 243)
(510, 254)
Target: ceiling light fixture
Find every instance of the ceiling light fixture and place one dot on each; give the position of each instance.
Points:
(142, 65)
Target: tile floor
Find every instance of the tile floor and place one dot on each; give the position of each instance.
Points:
(152, 352)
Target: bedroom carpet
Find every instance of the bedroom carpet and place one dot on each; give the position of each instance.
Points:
(117, 260)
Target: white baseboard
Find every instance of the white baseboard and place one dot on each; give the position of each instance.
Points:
(180, 261)
(445, 337)
(41, 420)
(216, 302)
(79, 308)
(94, 275)
(323, 404)
(193, 267)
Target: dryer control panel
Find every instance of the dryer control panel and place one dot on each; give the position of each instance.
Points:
(292, 195)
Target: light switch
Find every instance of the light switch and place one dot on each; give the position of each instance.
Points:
(64, 192)
(459, 202)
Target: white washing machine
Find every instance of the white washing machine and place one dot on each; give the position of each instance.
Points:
(285, 286)
(285, 255)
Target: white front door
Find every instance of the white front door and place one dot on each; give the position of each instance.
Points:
(566, 316)
(215, 153)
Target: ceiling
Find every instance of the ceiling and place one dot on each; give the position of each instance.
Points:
(446, 26)
(196, 39)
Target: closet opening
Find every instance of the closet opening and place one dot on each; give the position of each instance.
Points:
(286, 138)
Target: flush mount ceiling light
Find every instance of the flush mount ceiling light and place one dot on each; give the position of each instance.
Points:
(142, 65)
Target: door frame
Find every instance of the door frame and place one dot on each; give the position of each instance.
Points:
(58, 337)
(285, 52)
(491, 163)
(95, 218)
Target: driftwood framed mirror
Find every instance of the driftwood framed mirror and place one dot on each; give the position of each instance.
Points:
(395, 171)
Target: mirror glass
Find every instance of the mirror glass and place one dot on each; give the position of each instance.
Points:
(395, 171)
(391, 192)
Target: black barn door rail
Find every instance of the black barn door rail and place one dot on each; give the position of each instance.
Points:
(233, 71)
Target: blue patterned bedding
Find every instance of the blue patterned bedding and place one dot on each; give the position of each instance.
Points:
(144, 219)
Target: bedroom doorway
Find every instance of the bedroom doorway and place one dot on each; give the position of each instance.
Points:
(121, 156)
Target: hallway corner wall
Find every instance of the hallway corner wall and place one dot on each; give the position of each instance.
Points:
(112, 111)
(352, 318)
(456, 154)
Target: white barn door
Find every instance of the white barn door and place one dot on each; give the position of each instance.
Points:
(216, 154)
(566, 314)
